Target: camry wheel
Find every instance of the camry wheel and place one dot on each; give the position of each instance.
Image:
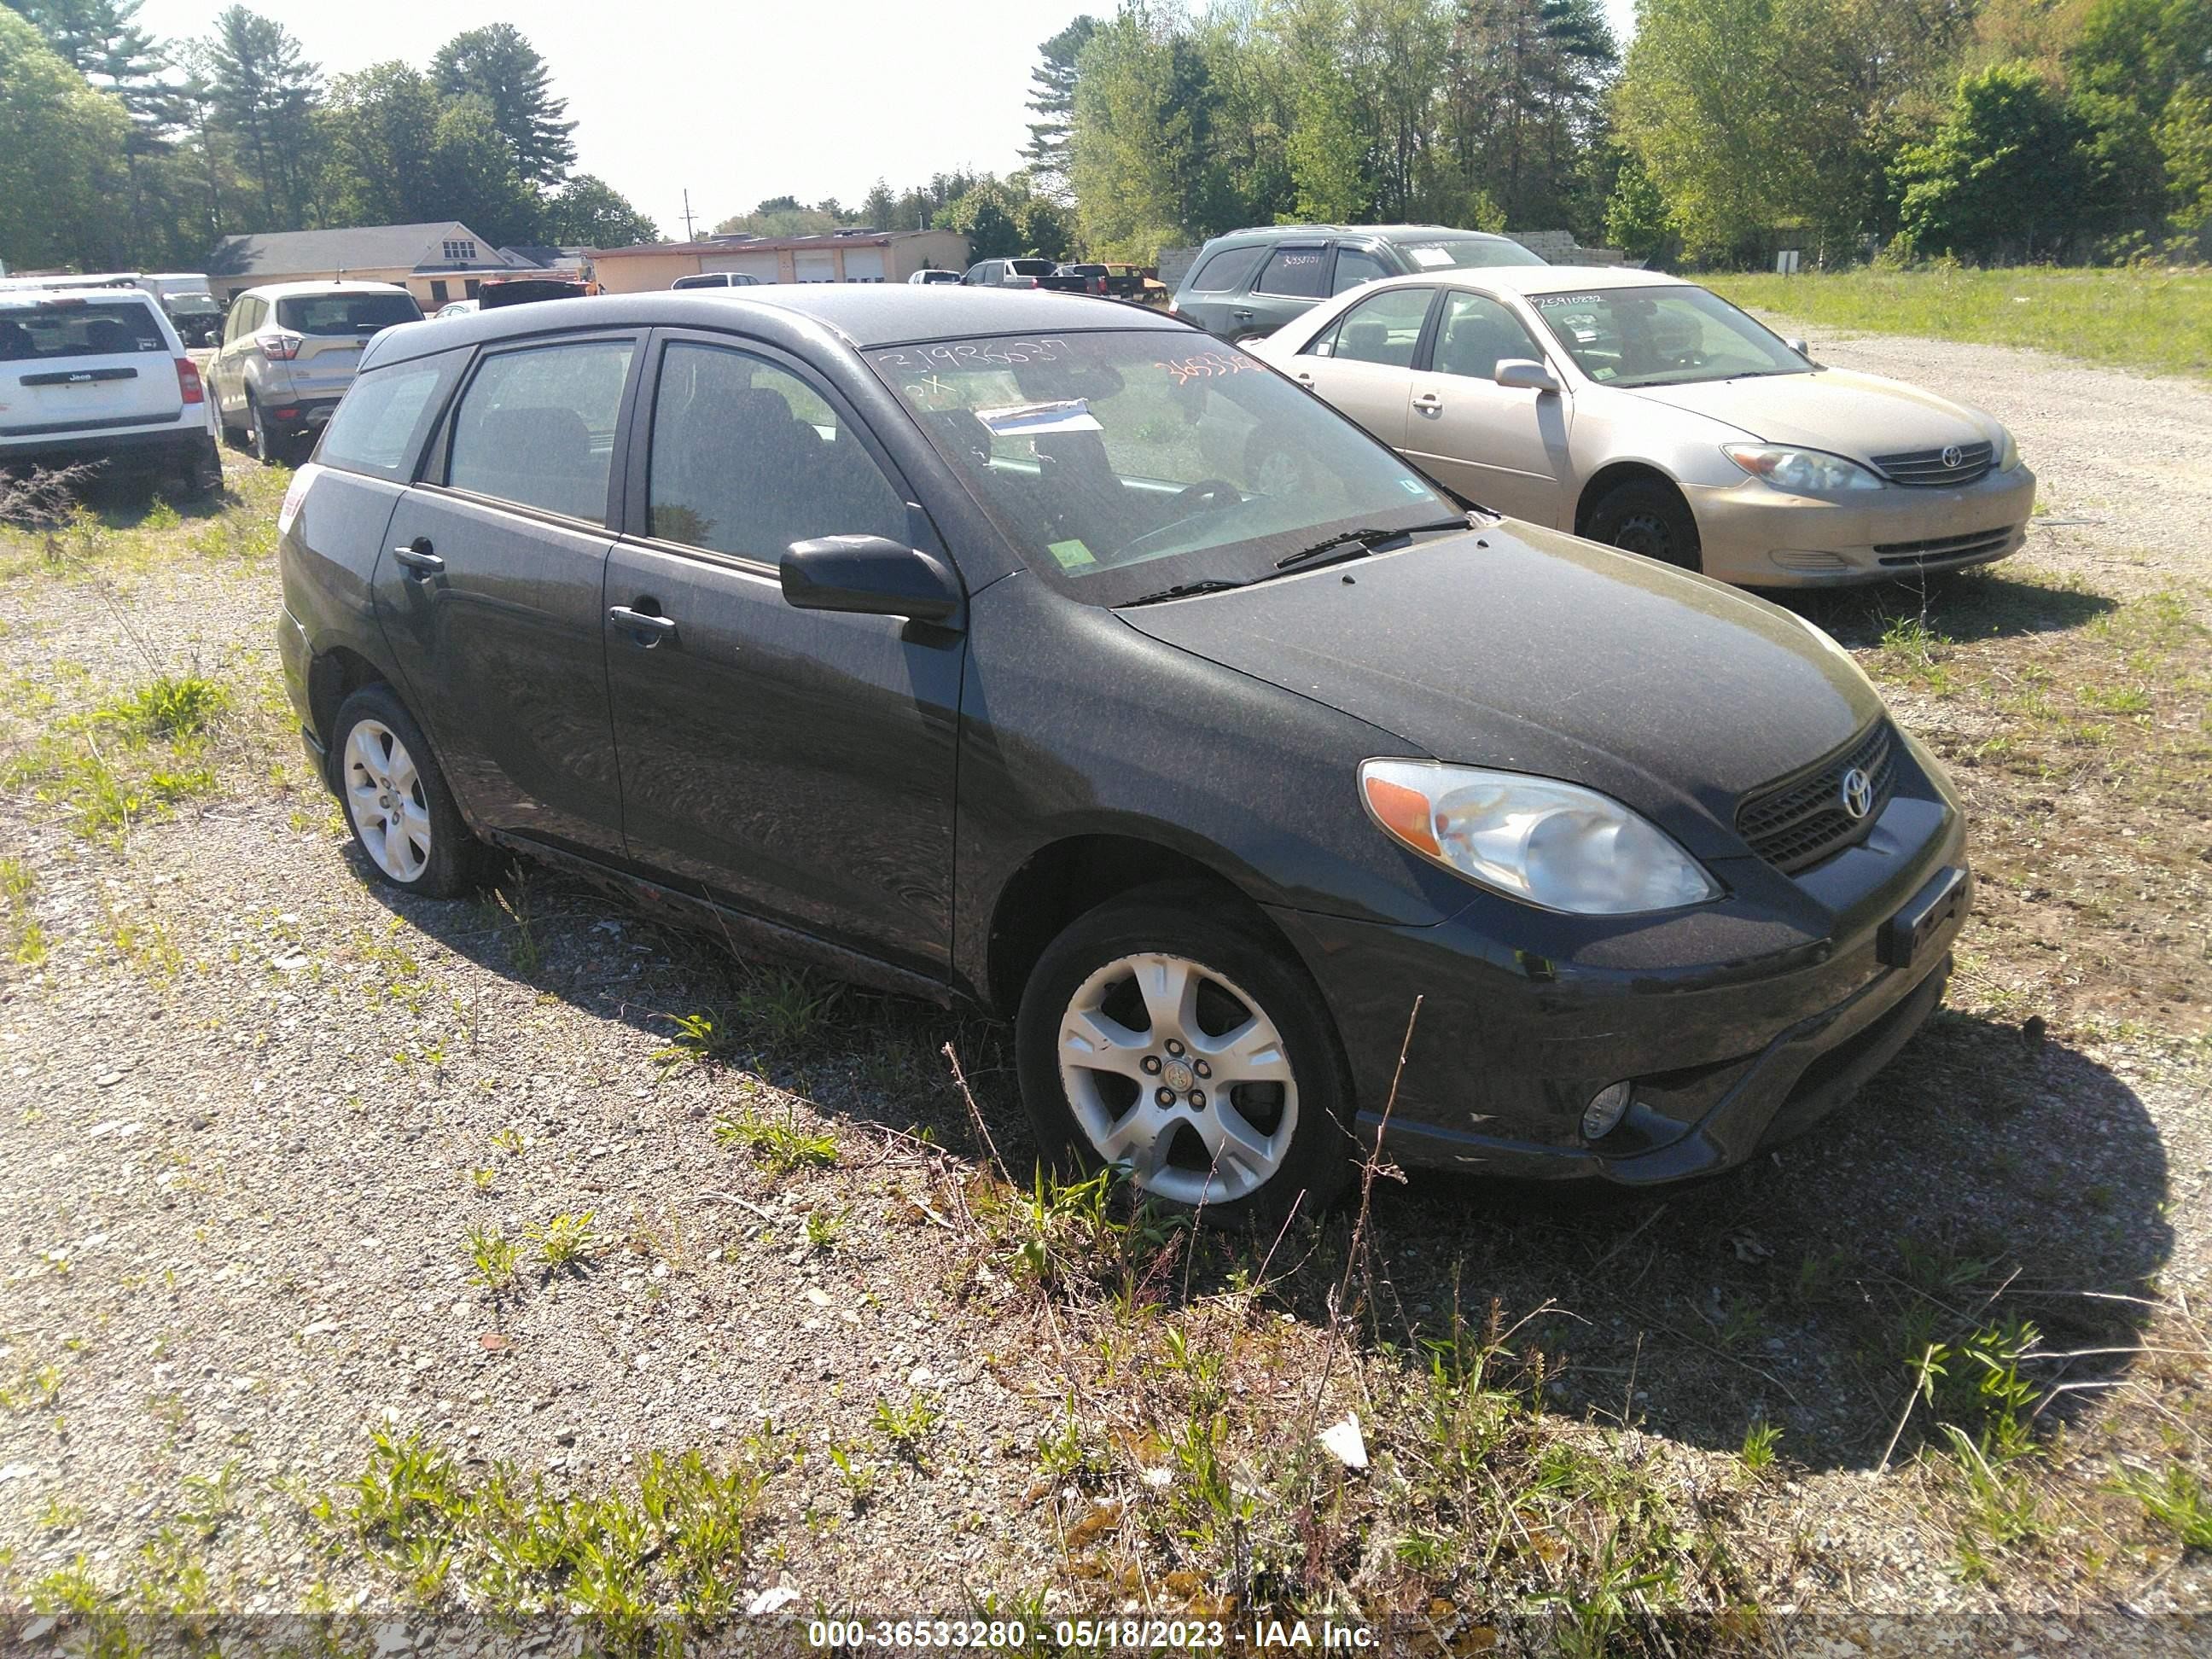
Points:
(396, 800)
(1186, 1047)
(1647, 517)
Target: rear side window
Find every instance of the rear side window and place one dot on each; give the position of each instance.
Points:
(537, 427)
(1295, 272)
(1227, 271)
(379, 427)
(748, 458)
(345, 313)
(67, 329)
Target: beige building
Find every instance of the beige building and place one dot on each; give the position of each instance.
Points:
(435, 261)
(859, 256)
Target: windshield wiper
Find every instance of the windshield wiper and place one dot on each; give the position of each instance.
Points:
(1182, 590)
(1366, 541)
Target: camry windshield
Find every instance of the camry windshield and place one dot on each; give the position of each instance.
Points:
(1126, 464)
(1663, 336)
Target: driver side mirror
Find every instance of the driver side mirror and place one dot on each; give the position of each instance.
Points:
(1799, 347)
(871, 575)
(1523, 374)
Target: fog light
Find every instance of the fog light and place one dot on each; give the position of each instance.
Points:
(1607, 1108)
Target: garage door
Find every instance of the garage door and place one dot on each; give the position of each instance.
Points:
(762, 265)
(864, 264)
(814, 267)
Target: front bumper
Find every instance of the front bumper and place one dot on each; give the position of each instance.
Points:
(1741, 1023)
(1756, 536)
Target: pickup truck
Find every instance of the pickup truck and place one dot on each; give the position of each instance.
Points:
(1023, 273)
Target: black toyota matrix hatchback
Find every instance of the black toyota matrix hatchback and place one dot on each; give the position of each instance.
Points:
(1044, 652)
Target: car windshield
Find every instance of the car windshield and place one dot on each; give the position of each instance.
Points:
(78, 328)
(1467, 253)
(345, 313)
(1127, 462)
(1663, 336)
(193, 302)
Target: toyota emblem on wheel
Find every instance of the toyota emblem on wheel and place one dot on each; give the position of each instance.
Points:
(1952, 455)
(1857, 794)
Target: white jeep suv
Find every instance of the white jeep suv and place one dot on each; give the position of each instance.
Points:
(98, 376)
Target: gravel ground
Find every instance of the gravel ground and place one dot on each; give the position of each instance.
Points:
(255, 1104)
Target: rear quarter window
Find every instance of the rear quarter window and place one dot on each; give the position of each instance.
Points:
(1227, 271)
(385, 415)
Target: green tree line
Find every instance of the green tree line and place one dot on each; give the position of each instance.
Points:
(118, 150)
(1979, 129)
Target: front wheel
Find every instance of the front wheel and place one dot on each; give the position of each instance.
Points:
(1174, 1038)
(1648, 517)
(396, 800)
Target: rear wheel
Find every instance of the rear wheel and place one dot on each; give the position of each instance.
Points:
(396, 800)
(201, 474)
(1648, 517)
(269, 447)
(1174, 1038)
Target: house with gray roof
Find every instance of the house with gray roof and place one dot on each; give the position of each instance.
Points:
(436, 261)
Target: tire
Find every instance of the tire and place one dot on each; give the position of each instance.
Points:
(202, 476)
(396, 801)
(1223, 1147)
(269, 448)
(1647, 517)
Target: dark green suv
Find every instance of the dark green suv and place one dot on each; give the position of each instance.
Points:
(1250, 282)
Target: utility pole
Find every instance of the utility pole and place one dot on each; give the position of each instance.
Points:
(688, 234)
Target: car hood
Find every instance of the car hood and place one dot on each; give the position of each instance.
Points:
(1521, 648)
(1837, 410)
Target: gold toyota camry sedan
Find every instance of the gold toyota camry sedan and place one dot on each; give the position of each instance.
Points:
(1645, 411)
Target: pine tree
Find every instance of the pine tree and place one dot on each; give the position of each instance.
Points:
(1052, 97)
(265, 91)
(498, 65)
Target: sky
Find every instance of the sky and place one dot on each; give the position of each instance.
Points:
(737, 102)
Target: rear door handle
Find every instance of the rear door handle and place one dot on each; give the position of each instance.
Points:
(647, 629)
(1243, 315)
(420, 562)
(1429, 401)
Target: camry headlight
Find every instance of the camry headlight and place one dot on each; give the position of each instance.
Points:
(1549, 843)
(1802, 472)
(2007, 450)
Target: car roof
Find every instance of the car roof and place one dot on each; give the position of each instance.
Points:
(862, 314)
(1558, 279)
(30, 298)
(281, 290)
(1380, 232)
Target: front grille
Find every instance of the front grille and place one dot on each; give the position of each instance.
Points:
(1926, 466)
(1937, 549)
(1801, 820)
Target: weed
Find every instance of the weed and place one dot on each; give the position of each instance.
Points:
(512, 896)
(1760, 1440)
(859, 1481)
(493, 1257)
(906, 1428)
(784, 1007)
(782, 1147)
(824, 1228)
(566, 1242)
(214, 1498)
(697, 1040)
(2180, 1502)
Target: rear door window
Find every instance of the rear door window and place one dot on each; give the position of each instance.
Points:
(94, 328)
(536, 427)
(1296, 270)
(1227, 271)
(747, 458)
(345, 313)
(379, 427)
(1385, 329)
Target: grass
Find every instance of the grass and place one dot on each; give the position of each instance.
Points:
(780, 1147)
(131, 757)
(2147, 318)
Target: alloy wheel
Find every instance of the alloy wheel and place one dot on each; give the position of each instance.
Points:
(1176, 1073)
(385, 798)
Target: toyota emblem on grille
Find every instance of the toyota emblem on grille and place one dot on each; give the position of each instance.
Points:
(1952, 455)
(1857, 794)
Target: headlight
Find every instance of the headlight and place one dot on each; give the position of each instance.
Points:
(1551, 844)
(1800, 471)
(2007, 450)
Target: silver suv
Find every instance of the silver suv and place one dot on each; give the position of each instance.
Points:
(98, 376)
(288, 353)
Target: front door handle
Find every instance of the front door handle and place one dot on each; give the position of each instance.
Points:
(1303, 377)
(421, 563)
(645, 627)
(1428, 403)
